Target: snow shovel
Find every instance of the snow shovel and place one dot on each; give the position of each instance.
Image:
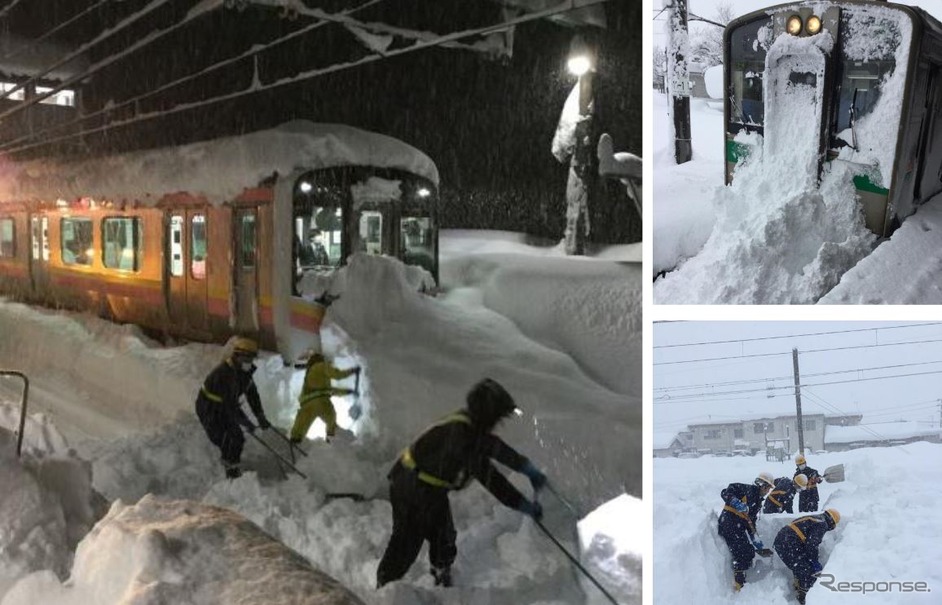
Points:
(834, 474)
(575, 561)
(549, 487)
(355, 410)
(291, 444)
(280, 458)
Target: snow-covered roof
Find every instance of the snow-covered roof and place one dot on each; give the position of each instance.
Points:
(754, 416)
(218, 169)
(663, 441)
(879, 432)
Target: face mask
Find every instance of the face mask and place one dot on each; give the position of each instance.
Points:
(801, 466)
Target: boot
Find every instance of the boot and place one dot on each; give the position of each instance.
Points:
(739, 578)
(801, 594)
(442, 576)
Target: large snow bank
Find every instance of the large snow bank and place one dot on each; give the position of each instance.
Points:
(181, 552)
(219, 169)
(878, 539)
(46, 506)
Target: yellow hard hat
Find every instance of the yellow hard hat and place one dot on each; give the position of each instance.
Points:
(244, 346)
(765, 478)
(801, 481)
(835, 516)
(799, 459)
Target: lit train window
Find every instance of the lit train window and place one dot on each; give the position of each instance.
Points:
(248, 241)
(77, 243)
(7, 241)
(327, 227)
(6, 87)
(35, 237)
(122, 243)
(198, 247)
(371, 232)
(63, 98)
(176, 245)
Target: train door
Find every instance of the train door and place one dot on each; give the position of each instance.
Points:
(245, 269)
(187, 291)
(39, 252)
(794, 88)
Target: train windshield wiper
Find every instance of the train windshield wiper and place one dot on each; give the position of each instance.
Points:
(853, 120)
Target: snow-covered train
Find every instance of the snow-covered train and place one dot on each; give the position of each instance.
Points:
(210, 239)
(853, 82)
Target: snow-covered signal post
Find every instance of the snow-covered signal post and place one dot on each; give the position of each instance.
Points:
(239, 235)
(853, 86)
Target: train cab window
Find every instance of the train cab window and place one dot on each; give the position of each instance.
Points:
(77, 243)
(198, 247)
(45, 233)
(7, 239)
(122, 243)
(247, 239)
(326, 229)
(370, 232)
(35, 237)
(417, 242)
(746, 59)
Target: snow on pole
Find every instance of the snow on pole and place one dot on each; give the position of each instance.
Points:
(678, 78)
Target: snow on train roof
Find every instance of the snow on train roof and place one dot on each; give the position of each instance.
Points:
(218, 169)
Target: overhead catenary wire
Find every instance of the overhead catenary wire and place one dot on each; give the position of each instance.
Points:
(6, 9)
(254, 88)
(34, 42)
(827, 333)
(11, 146)
(154, 5)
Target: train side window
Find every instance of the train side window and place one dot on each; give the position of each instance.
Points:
(176, 246)
(248, 241)
(371, 232)
(198, 247)
(328, 223)
(45, 233)
(121, 240)
(77, 244)
(7, 238)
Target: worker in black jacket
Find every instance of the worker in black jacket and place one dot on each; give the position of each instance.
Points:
(808, 498)
(782, 495)
(737, 524)
(219, 408)
(444, 458)
(797, 544)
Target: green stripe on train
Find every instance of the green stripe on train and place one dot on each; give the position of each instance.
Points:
(863, 183)
(736, 151)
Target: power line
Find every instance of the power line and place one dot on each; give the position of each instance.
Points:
(742, 340)
(10, 146)
(808, 352)
(6, 9)
(255, 88)
(812, 375)
(33, 43)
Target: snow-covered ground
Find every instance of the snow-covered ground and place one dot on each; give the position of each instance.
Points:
(890, 528)
(563, 335)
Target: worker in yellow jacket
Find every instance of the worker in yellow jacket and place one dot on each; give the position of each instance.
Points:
(315, 396)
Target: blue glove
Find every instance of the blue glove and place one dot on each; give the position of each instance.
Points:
(816, 567)
(739, 505)
(758, 544)
(537, 479)
(532, 509)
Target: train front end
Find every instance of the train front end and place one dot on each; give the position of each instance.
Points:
(822, 83)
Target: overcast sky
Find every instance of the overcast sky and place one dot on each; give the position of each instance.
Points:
(707, 10)
(751, 370)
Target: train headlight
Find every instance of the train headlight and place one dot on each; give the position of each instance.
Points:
(813, 25)
(793, 25)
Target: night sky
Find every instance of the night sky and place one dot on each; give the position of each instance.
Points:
(487, 123)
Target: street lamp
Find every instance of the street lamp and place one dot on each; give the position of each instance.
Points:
(581, 63)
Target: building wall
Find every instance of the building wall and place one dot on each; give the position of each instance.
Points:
(727, 437)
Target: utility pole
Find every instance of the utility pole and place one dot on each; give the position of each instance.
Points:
(678, 79)
(801, 431)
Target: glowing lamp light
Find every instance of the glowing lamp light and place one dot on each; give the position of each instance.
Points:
(305, 187)
(813, 25)
(793, 25)
(423, 192)
(580, 57)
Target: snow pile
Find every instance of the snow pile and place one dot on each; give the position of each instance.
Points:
(874, 542)
(611, 546)
(219, 169)
(181, 552)
(899, 271)
(770, 246)
(45, 509)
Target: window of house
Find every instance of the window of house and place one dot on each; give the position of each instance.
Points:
(121, 239)
(809, 425)
(713, 434)
(737, 433)
(7, 241)
(758, 428)
(76, 242)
